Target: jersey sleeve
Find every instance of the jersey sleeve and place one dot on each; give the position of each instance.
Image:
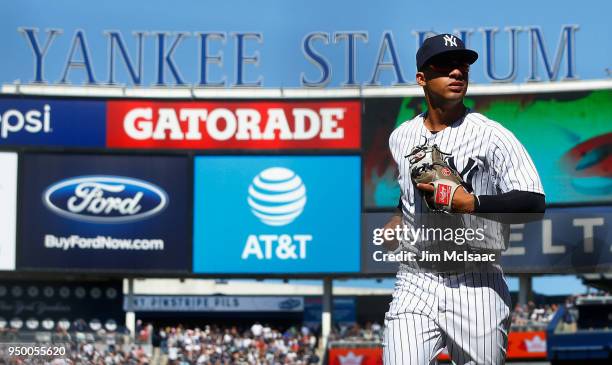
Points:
(512, 165)
(393, 145)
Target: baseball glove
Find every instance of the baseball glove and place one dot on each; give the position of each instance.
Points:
(427, 166)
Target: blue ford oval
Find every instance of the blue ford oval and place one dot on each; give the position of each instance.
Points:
(105, 199)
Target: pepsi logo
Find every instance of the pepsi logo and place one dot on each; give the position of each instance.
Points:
(105, 199)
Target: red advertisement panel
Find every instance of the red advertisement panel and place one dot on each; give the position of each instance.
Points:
(527, 345)
(521, 345)
(356, 356)
(259, 125)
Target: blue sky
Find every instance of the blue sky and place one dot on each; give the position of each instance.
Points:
(284, 25)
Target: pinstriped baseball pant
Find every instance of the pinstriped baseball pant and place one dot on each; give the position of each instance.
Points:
(468, 313)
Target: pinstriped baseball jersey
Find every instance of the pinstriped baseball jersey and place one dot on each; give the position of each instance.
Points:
(488, 157)
(466, 312)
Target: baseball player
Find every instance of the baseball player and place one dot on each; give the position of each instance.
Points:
(467, 312)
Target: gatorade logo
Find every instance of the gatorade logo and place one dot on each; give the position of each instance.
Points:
(234, 125)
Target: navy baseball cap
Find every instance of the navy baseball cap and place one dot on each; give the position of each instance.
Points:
(447, 44)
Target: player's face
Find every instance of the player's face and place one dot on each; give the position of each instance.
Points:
(446, 78)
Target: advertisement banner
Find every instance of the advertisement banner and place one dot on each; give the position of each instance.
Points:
(76, 305)
(527, 345)
(104, 213)
(344, 311)
(571, 240)
(343, 43)
(215, 303)
(235, 124)
(564, 241)
(276, 214)
(568, 136)
(8, 210)
(521, 345)
(52, 122)
(355, 356)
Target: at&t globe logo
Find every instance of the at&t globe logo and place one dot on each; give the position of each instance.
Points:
(277, 196)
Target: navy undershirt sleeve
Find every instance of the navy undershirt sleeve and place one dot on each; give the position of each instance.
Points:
(514, 201)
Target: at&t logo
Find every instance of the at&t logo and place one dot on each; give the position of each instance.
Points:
(276, 196)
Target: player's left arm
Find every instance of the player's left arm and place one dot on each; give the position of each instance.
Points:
(520, 187)
(517, 178)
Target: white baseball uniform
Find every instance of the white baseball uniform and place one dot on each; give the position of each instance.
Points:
(466, 312)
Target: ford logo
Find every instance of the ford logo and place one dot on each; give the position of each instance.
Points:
(105, 199)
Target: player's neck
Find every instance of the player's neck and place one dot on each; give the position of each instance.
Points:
(438, 118)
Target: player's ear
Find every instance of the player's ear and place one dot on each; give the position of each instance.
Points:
(420, 78)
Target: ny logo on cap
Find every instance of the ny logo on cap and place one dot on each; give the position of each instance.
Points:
(450, 40)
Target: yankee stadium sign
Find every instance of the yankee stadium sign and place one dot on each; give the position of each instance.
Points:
(244, 52)
(285, 45)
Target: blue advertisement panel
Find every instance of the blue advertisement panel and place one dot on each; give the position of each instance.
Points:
(276, 214)
(344, 311)
(49, 122)
(104, 213)
(278, 43)
(576, 240)
(564, 241)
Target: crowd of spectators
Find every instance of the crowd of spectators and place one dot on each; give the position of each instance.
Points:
(370, 332)
(532, 317)
(210, 345)
(100, 348)
(259, 344)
